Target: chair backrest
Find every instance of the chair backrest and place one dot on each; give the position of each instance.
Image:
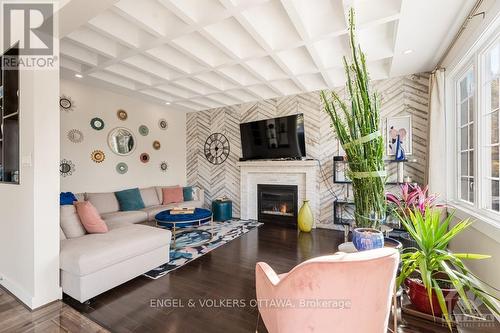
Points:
(337, 293)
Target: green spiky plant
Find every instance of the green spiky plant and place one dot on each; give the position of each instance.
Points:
(434, 264)
(355, 121)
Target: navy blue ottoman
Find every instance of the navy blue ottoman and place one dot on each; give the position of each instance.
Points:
(222, 210)
(186, 223)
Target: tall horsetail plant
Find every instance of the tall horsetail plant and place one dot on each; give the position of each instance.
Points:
(356, 123)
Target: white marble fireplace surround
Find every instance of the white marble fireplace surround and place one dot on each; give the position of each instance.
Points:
(303, 174)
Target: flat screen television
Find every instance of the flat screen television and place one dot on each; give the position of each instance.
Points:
(277, 138)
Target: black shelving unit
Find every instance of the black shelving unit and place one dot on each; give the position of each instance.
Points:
(343, 209)
(339, 160)
(9, 122)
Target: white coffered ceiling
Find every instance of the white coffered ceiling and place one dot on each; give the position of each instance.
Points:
(202, 54)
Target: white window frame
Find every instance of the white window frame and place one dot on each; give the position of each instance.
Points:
(485, 140)
(474, 57)
(458, 172)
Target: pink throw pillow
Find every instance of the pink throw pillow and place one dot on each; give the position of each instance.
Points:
(90, 218)
(172, 195)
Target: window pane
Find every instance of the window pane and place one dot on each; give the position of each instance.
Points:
(464, 193)
(471, 136)
(471, 190)
(471, 163)
(463, 89)
(494, 94)
(494, 162)
(495, 201)
(463, 138)
(464, 169)
(463, 113)
(494, 127)
(469, 79)
(493, 63)
(471, 109)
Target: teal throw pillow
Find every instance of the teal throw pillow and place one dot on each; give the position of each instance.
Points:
(188, 193)
(130, 199)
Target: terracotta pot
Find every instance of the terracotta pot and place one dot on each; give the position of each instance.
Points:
(418, 297)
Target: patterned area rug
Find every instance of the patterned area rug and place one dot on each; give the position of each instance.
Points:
(187, 251)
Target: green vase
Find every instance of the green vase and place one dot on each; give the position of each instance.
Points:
(306, 218)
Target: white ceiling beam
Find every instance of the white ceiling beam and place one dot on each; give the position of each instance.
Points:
(299, 26)
(77, 13)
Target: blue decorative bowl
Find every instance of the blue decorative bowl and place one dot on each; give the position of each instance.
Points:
(367, 239)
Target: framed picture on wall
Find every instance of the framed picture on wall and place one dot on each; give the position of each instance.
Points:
(399, 127)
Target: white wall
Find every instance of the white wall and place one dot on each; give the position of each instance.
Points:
(29, 212)
(89, 176)
(484, 236)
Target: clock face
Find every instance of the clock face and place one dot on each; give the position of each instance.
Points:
(217, 148)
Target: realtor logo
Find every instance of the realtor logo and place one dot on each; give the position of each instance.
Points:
(30, 24)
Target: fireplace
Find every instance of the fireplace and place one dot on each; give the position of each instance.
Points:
(277, 204)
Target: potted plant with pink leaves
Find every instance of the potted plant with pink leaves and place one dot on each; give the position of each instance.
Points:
(412, 196)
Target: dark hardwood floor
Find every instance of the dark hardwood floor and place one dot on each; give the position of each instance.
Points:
(225, 274)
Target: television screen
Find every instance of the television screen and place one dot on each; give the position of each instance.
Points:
(273, 138)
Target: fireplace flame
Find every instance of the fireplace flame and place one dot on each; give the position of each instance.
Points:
(283, 208)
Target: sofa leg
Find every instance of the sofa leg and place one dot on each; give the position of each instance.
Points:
(88, 302)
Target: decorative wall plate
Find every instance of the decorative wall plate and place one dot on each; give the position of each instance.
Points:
(98, 156)
(163, 124)
(122, 168)
(217, 148)
(144, 157)
(75, 136)
(164, 166)
(143, 130)
(97, 123)
(66, 103)
(66, 167)
(122, 114)
(156, 145)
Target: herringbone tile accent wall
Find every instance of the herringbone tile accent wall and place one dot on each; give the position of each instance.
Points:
(399, 96)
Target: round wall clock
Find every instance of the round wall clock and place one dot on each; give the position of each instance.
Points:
(217, 148)
(156, 145)
(66, 104)
(144, 157)
(66, 167)
(163, 124)
(98, 156)
(75, 136)
(143, 130)
(122, 114)
(164, 166)
(122, 168)
(97, 123)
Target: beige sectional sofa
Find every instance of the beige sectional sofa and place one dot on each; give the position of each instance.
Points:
(94, 263)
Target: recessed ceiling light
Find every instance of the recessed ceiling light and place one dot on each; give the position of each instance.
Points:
(78, 75)
(168, 103)
(407, 51)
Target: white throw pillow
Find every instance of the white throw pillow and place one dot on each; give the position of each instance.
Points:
(149, 196)
(70, 222)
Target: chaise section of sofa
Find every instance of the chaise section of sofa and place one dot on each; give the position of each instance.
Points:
(95, 263)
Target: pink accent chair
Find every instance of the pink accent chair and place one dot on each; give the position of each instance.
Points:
(365, 280)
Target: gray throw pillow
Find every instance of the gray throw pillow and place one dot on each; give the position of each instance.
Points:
(70, 222)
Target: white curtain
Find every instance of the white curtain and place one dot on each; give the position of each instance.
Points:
(436, 157)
